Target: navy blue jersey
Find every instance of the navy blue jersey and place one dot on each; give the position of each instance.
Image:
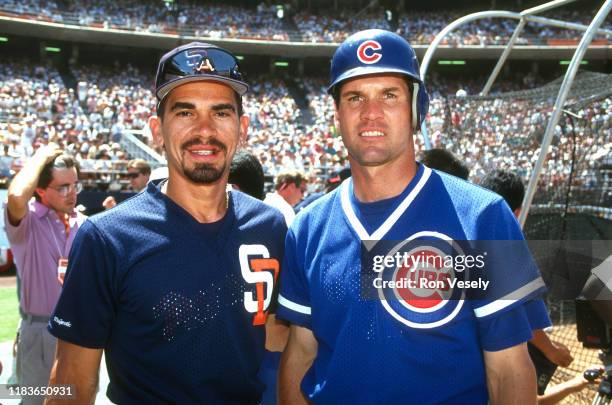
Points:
(178, 306)
(403, 349)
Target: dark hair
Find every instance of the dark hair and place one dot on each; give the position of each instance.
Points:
(46, 175)
(508, 185)
(445, 161)
(161, 106)
(246, 172)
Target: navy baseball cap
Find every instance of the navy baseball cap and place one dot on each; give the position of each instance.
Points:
(197, 61)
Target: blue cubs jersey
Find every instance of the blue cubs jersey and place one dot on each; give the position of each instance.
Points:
(417, 345)
(178, 306)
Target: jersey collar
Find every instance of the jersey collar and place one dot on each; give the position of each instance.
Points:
(378, 234)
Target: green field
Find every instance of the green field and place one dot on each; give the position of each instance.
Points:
(9, 314)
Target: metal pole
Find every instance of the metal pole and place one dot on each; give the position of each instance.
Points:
(503, 57)
(434, 45)
(557, 109)
(457, 23)
(546, 6)
(564, 24)
(425, 136)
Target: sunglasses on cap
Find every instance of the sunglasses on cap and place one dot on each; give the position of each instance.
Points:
(194, 62)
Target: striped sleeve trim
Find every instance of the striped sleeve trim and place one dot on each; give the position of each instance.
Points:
(510, 298)
(302, 309)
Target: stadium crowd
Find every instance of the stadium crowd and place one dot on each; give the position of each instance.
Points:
(38, 108)
(218, 20)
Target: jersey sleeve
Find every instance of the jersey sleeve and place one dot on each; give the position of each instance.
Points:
(294, 298)
(86, 308)
(512, 274)
(511, 307)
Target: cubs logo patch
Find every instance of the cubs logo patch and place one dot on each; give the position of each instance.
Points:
(415, 279)
(367, 54)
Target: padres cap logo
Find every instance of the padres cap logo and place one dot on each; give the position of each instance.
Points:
(367, 54)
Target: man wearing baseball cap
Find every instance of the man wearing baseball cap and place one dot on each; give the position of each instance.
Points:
(364, 332)
(175, 284)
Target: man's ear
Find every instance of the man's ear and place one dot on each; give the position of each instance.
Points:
(41, 192)
(244, 130)
(156, 131)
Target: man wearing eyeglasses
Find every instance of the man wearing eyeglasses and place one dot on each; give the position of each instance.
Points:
(176, 283)
(41, 231)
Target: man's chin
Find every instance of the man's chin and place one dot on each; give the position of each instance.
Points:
(204, 175)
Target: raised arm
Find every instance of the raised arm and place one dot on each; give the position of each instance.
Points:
(297, 358)
(24, 184)
(511, 377)
(77, 366)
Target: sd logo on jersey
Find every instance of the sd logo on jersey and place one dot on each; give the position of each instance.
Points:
(258, 268)
(417, 289)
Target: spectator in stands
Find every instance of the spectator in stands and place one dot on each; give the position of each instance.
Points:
(247, 175)
(289, 189)
(41, 232)
(510, 187)
(445, 161)
(138, 171)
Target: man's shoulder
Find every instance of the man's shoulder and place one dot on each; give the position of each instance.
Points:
(462, 192)
(125, 214)
(250, 208)
(318, 213)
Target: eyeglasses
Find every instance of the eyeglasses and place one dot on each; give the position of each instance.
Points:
(68, 188)
(133, 175)
(195, 61)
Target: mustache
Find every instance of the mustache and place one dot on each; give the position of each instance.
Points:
(212, 141)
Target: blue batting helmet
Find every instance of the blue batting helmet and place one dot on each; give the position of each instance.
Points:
(378, 51)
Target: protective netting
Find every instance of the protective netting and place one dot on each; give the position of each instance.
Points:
(573, 199)
(504, 131)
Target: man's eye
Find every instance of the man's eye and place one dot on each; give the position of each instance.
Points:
(390, 95)
(354, 99)
(183, 113)
(223, 114)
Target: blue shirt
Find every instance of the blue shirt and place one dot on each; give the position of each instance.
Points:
(178, 306)
(424, 347)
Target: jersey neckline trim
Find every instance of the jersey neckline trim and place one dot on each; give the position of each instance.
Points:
(378, 234)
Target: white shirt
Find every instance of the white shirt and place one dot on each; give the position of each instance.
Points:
(277, 201)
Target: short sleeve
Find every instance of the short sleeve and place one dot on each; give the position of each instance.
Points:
(510, 328)
(16, 234)
(293, 299)
(537, 314)
(86, 309)
(510, 273)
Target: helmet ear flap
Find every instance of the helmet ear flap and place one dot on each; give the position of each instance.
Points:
(415, 111)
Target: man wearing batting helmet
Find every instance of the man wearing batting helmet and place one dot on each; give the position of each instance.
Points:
(411, 323)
